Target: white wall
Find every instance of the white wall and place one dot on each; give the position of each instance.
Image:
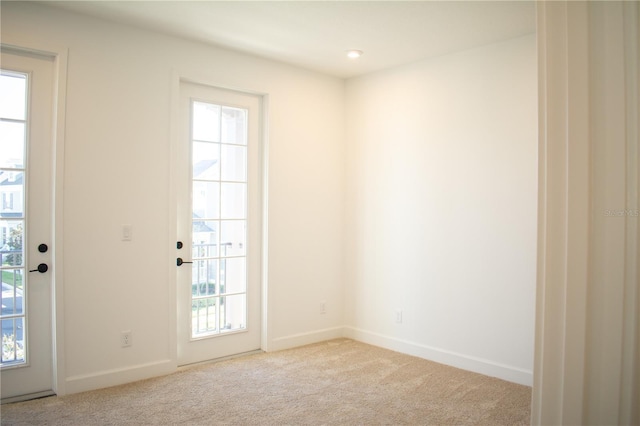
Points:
(441, 208)
(116, 171)
(439, 169)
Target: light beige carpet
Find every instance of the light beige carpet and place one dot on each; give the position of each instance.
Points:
(339, 382)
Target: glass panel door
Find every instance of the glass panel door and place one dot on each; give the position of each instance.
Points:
(219, 221)
(26, 194)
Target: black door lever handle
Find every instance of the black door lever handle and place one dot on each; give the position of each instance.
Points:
(42, 268)
(179, 261)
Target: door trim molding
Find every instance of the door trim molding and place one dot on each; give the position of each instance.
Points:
(60, 55)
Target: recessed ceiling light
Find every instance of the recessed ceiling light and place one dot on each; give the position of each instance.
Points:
(354, 54)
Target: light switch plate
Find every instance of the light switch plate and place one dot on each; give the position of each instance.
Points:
(127, 233)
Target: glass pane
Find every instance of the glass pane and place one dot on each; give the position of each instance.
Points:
(14, 93)
(234, 163)
(206, 122)
(206, 200)
(206, 160)
(203, 316)
(11, 238)
(13, 277)
(234, 125)
(203, 277)
(11, 194)
(205, 238)
(233, 312)
(233, 275)
(233, 238)
(12, 340)
(12, 144)
(12, 300)
(234, 198)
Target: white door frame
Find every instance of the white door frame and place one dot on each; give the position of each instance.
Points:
(59, 54)
(176, 79)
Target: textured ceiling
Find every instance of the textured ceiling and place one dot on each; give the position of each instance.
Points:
(316, 34)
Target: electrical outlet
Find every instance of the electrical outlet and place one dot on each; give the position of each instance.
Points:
(126, 339)
(399, 316)
(323, 307)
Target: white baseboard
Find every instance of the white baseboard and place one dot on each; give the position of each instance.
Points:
(108, 378)
(301, 339)
(465, 362)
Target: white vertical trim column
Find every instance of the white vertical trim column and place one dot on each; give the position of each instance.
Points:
(586, 361)
(630, 381)
(563, 213)
(609, 208)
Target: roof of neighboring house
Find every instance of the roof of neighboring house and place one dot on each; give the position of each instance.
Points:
(202, 166)
(17, 181)
(200, 225)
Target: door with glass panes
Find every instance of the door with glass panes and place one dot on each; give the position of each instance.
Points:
(26, 102)
(218, 247)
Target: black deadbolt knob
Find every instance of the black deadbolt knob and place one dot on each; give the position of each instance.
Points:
(42, 248)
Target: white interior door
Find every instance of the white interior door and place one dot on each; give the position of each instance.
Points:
(218, 224)
(26, 101)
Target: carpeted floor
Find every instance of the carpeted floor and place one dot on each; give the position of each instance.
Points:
(339, 382)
